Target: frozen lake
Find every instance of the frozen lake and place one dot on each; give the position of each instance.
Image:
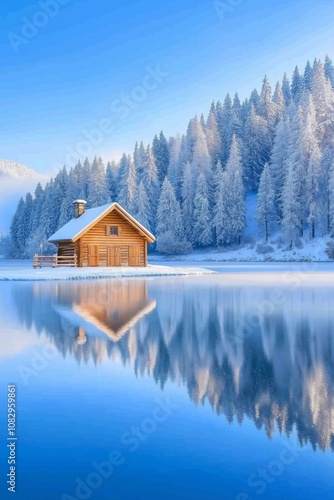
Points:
(172, 388)
(260, 271)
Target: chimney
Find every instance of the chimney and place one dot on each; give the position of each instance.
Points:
(79, 207)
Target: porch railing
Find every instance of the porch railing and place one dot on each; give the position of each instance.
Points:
(55, 261)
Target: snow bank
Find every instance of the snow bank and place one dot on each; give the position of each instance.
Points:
(311, 251)
(10, 271)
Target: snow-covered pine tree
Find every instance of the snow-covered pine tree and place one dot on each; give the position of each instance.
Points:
(161, 155)
(174, 173)
(291, 206)
(201, 160)
(143, 210)
(28, 216)
(57, 193)
(38, 200)
(136, 156)
(52, 207)
(313, 185)
(266, 215)
(152, 186)
(297, 160)
(312, 161)
(122, 170)
(286, 90)
(221, 207)
(329, 70)
(323, 98)
(127, 184)
(230, 209)
(297, 86)
(278, 160)
(237, 125)
(218, 110)
(141, 161)
(170, 231)
(111, 180)
(189, 141)
(254, 100)
(66, 207)
(213, 108)
(85, 179)
(237, 208)
(225, 125)
(244, 112)
(257, 148)
(77, 181)
(202, 229)
(17, 231)
(213, 137)
(48, 222)
(267, 106)
(279, 102)
(327, 188)
(183, 156)
(308, 77)
(330, 163)
(37, 206)
(98, 193)
(187, 196)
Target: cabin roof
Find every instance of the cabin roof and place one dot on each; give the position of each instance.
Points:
(77, 227)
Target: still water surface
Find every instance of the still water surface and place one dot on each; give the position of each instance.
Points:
(169, 388)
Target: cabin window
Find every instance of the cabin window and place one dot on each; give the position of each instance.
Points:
(113, 231)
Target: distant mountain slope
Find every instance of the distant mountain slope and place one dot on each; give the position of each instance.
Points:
(17, 170)
(15, 181)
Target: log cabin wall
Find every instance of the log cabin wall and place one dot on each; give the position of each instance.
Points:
(131, 247)
(67, 249)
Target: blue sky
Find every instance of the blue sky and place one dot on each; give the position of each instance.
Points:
(76, 71)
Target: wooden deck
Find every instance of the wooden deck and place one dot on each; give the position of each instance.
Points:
(55, 261)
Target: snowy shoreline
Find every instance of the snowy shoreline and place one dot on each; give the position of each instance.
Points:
(310, 251)
(22, 273)
(245, 260)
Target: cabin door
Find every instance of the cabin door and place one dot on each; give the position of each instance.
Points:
(113, 256)
(134, 256)
(93, 255)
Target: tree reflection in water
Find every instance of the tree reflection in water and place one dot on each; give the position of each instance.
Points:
(280, 375)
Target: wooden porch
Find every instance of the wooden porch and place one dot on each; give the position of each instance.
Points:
(55, 261)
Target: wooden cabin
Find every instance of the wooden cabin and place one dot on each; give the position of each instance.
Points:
(103, 236)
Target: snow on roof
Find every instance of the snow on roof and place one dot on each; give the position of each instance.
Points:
(80, 201)
(75, 226)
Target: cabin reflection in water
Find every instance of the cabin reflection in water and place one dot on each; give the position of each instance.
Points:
(110, 309)
(81, 338)
(280, 375)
